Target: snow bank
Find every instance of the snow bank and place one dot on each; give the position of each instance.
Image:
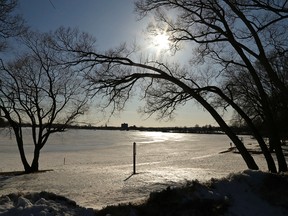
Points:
(241, 194)
(42, 204)
(251, 193)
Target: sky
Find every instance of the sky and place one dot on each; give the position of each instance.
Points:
(112, 22)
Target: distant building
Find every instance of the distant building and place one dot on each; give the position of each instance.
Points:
(124, 126)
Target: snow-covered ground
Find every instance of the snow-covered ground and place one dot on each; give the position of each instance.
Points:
(247, 193)
(93, 168)
(42, 204)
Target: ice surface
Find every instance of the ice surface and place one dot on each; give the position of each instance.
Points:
(94, 168)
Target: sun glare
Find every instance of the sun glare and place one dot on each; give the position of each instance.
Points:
(161, 41)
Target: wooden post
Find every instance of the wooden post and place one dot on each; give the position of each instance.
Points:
(134, 158)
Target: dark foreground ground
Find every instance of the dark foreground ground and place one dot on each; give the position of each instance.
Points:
(246, 193)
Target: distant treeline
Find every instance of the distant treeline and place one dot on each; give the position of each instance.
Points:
(207, 129)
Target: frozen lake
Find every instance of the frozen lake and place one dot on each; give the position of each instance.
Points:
(98, 164)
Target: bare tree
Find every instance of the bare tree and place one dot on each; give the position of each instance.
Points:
(11, 25)
(224, 34)
(114, 75)
(36, 91)
(228, 33)
(245, 94)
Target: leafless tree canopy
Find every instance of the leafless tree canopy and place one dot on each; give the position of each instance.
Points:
(229, 36)
(36, 91)
(228, 39)
(10, 25)
(234, 36)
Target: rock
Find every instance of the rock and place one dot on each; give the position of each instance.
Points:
(42, 201)
(23, 202)
(4, 199)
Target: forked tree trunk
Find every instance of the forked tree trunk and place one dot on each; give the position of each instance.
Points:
(35, 163)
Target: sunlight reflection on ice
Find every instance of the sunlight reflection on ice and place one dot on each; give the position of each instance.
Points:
(154, 137)
(97, 163)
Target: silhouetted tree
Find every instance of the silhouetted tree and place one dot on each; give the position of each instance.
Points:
(11, 24)
(224, 34)
(112, 74)
(241, 86)
(228, 34)
(35, 91)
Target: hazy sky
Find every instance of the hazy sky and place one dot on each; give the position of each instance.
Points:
(112, 22)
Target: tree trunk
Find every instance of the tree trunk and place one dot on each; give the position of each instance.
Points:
(264, 99)
(271, 145)
(276, 143)
(19, 141)
(22, 156)
(274, 137)
(35, 162)
(268, 157)
(250, 162)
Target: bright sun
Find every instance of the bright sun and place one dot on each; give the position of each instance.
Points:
(161, 41)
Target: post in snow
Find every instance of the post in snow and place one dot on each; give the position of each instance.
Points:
(134, 158)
